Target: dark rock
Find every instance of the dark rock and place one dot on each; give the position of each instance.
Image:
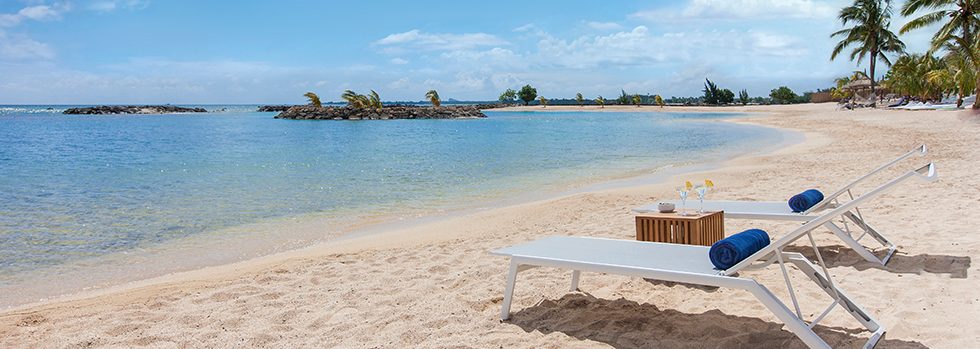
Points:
(398, 111)
(278, 108)
(131, 109)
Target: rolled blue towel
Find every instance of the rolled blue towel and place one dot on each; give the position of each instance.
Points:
(803, 201)
(729, 251)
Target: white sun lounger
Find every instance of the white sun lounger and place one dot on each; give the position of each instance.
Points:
(691, 264)
(780, 211)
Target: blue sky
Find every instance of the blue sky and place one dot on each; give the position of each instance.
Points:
(265, 52)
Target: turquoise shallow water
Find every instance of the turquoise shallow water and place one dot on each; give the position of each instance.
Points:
(80, 195)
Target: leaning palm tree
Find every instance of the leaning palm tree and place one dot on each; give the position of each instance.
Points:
(601, 102)
(314, 99)
(355, 100)
(637, 100)
(374, 100)
(433, 97)
(959, 30)
(544, 101)
(579, 99)
(870, 34)
(659, 100)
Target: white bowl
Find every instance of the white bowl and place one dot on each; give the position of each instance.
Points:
(665, 207)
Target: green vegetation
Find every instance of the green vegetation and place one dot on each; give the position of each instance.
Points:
(314, 99)
(600, 101)
(869, 33)
(508, 96)
(579, 99)
(355, 100)
(659, 100)
(743, 97)
(527, 94)
(782, 94)
(374, 100)
(624, 99)
(544, 102)
(710, 92)
(637, 100)
(433, 97)
(957, 35)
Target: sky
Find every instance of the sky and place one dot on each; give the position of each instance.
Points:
(272, 52)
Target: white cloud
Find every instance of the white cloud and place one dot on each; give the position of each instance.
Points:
(20, 46)
(468, 81)
(429, 42)
(398, 61)
(402, 84)
(605, 26)
(744, 10)
(37, 13)
(525, 27)
(111, 5)
(323, 82)
(496, 57)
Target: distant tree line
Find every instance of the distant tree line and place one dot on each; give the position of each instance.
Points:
(713, 95)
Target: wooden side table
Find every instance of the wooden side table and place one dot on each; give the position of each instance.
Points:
(702, 229)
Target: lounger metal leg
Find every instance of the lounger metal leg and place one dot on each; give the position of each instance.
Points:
(515, 267)
(874, 234)
(794, 323)
(575, 274)
(857, 247)
(861, 315)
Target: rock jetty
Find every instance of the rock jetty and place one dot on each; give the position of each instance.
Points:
(279, 108)
(132, 109)
(306, 112)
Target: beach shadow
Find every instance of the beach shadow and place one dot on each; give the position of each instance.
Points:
(842, 256)
(623, 323)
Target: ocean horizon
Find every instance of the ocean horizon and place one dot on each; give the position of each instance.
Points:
(96, 200)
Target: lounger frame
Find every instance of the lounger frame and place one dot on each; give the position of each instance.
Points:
(780, 211)
(690, 264)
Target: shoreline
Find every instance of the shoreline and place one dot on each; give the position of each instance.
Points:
(416, 286)
(125, 268)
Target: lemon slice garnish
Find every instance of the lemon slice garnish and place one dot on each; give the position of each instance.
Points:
(709, 183)
(689, 185)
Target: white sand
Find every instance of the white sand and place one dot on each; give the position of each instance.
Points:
(434, 285)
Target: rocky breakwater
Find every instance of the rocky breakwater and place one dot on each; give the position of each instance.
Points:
(305, 112)
(132, 109)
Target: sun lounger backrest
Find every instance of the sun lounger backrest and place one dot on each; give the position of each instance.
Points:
(926, 173)
(830, 198)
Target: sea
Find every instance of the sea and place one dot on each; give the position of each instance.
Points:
(90, 201)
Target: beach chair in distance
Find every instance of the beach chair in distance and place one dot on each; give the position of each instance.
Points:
(780, 211)
(690, 264)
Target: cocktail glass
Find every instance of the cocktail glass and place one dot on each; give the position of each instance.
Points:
(701, 190)
(683, 191)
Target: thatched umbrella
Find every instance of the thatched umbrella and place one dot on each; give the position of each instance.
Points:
(858, 86)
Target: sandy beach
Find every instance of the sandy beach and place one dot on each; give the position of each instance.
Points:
(433, 285)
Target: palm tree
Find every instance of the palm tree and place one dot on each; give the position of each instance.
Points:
(356, 100)
(659, 100)
(637, 100)
(909, 75)
(958, 33)
(579, 99)
(375, 100)
(433, 97)
(314, 99)
(870, 34)
(601, 102)
(544, 102)
(959, 76)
